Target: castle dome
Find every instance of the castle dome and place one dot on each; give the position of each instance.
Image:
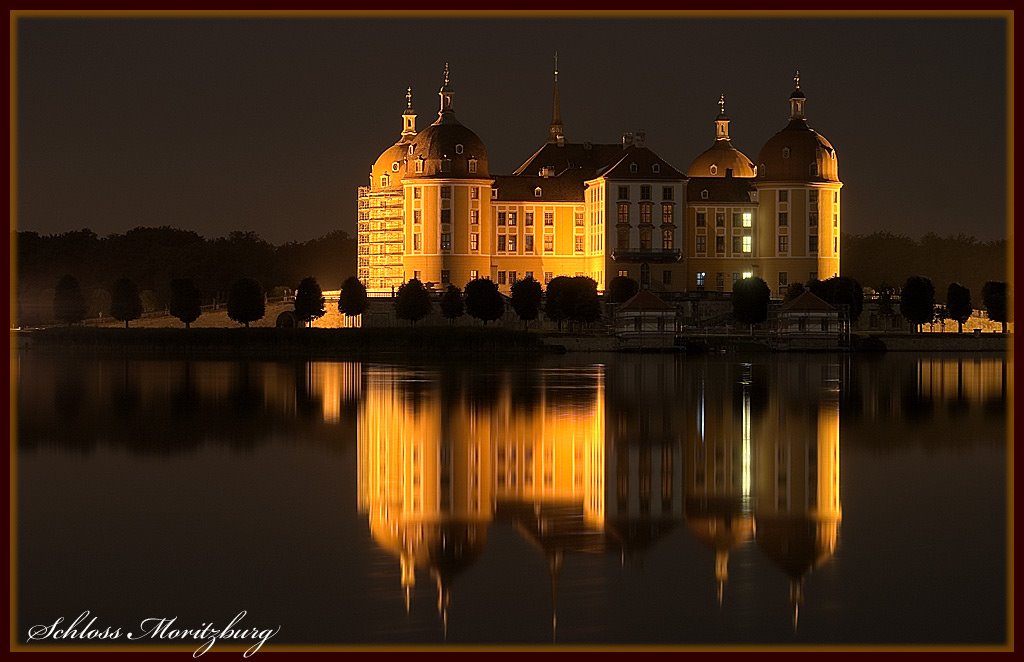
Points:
(389, 167)
(798, 152)
(721, 157)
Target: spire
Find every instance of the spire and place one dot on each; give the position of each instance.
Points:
(447, 95)
(722, 121)
(796, 100)
(408, 117)
(556, 131)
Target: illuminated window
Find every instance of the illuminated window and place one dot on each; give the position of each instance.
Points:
(474, 216)
(645, 212)
(702, 244)
(474, 193)
(548, 275)
(549, 218)
(472, 165)
(783, 244)
(446, 241)
(528, 243)
(748, 274)
(537, 192)
(645, 192)
(417, 216)
(623, 193)
(549, 243)
(458, 149)
(578, 216)
(666, 214)
(512, 218)
(701, 275)
(701, 219)
(474, 241)
(667, 239)
(748, 219)
(624, 273)
(473, 274)
(747, 241)
(579, 243)
(512, 243)
(529, 218)
(419, 164)
(624, 213)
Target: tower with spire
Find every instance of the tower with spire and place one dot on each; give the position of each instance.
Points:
(556, 132)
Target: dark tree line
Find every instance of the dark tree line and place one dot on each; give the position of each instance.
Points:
(154, 257)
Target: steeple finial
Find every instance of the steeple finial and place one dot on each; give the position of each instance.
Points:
(446, 74)
(721, 104)
(408, 117)
(796, 79)
(447, 95)
(556, 130)
(408, 98)
(796, 100)
(721, 122)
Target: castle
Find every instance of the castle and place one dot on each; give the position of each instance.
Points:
(434, 212)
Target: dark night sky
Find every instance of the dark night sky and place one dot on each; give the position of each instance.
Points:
(269, 125)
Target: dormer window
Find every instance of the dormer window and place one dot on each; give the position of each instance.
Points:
(785, 152)
(656, 168)
(633, 167)
(761, 171)
(446, 165)
(714, 169)
(384, 181)
(704, 194)
(412, 148)
(394, 167)
(419, 164)
(537, 192)
(472, 165)
(458, 149)
(494, 194)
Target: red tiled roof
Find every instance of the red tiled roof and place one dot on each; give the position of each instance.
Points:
(807, 302)
(645, 300)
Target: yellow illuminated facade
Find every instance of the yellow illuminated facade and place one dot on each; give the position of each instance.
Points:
(433, 211)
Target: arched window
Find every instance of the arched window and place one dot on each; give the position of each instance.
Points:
(537, 192)
(632, 167)
(656, 168)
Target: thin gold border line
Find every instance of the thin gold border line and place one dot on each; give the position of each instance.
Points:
(13, 482)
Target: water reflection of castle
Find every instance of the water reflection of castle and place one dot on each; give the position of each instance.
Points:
(599, 465)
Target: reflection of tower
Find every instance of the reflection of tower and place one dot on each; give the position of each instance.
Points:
(718, 468)
(797, 486)
(420, 479)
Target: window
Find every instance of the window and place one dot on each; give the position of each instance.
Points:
(835, 245)
(720, 281)
(783, 196)
(835, 197)
(419, 164)
(549, 243)
(446, 215)
(624, 238)
(702, 244)
(783, 244)
(528, 241)
(748, 274)
(446, 241)
(458, 149)
(578, 219)
(494, 193)
(737, 245)
(735, 277)
(835, 220)
(720, 219)
(666, 214)
(417, 242)
(812, 243)
(624, 212)
(446, 192)
(812, 170)
(418, 275)
(761, 170)
(812, 197)
(416, 193)
(645, 213)
(783, 219)
(512, 243)
(720, 245)
(394, 167)
(384, 180)
(667, 239)
(737, 219)
(785, 152)
(472, 165)
(474, 241)
(748, 219)
(548, 275)
(512, 278)
(501, 278)
(474, 193)
(446, 165)
(701, 219)
(623, 193)
(704, 194)
(666, 193)
(783, 279)
(713, 169)
(632, 167)
(501, 218)
(446, 275)
(624, 273)
(417, 216)
(645, 238)
(473, 274)
(501, 242)
(656, 168)
(747, 241)
(474, 216)
(512, 218)
(529, 218)
(538, 192)
(666, 277)
(529, 274)
(812, 218)
(549, 218)
(645, 192)
(701, 275)
(579, 243)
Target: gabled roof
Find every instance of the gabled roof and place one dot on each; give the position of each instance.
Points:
(644, 160)
(566, 187)
(720, 189)
(584, 156)
(645, 300)
(807, 302)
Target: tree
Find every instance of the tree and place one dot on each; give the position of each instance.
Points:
(750, 300)
(309, 301)
(186, 301)
(621, 288)
(793, 291)
(483, 301)
(917, 301)
(526, 298)
(993, 296)
(352, 299)
(68, 303)
(885, 293)
(583, 305)
(246, 301)
(958, 304)
(842, 291)
(556, 299)
(125, 302)
(412, 301)
(452, 305)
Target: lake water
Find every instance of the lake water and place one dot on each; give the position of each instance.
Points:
(583, 499)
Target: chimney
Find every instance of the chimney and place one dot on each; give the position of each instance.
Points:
(728, 173)
(627, 139)
(641, 135)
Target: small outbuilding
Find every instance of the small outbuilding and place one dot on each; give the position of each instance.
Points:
(809, 322)
(645, 321)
